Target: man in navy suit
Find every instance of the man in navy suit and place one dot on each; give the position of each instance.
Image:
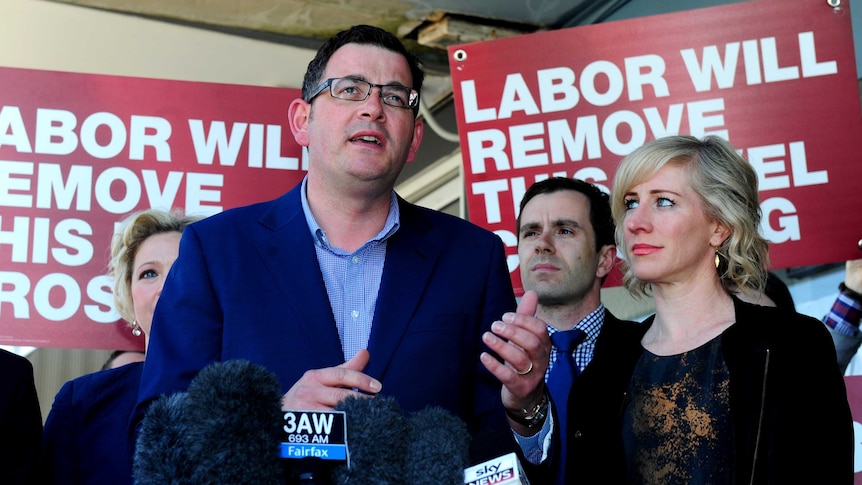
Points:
(340, 287)
(566, 250)
(20, 421)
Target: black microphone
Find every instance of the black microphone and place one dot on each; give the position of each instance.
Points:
(222, 430)
(225, 429)
(438, 451)
(377, 441)
(159, 455)
(502, 470)
(495, 459)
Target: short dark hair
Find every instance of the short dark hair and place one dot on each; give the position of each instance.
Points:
(111, 358)
(600, 206)
(359, 34)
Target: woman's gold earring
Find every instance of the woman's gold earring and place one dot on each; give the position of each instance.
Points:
(717, 260)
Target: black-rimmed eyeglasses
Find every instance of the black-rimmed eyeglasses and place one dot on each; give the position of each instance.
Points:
(352, 89)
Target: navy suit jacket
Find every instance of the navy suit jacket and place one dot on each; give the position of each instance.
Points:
(247, 285)
(553, 470)
(85, 439)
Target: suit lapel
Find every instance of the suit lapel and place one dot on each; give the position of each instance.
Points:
(410, 260)
(287, 248)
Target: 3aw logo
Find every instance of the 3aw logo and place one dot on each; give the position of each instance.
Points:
(314, 434)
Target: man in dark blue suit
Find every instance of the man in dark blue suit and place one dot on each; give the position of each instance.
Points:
(340, 287)
(20, 421)
(566, 250)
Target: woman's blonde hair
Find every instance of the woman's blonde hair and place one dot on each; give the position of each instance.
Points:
(134, 230)
(727, 186)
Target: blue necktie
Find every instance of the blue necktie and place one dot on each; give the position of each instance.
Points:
(562, 376)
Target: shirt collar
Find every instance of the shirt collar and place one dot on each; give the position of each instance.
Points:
(590, 325)
(393, 219)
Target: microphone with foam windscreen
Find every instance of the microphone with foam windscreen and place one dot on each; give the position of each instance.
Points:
(438, 450)
(159, 454)
(229, 428)
(224, 429)
(377, 441)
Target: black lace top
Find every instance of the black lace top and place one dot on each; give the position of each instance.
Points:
(676, 425)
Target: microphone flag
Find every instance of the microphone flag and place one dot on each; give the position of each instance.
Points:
(503, 470)
(315, 434)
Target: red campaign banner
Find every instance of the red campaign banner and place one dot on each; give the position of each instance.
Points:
(776, 78)
(79, 152)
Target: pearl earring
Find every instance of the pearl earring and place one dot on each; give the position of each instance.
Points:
(136, 329)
